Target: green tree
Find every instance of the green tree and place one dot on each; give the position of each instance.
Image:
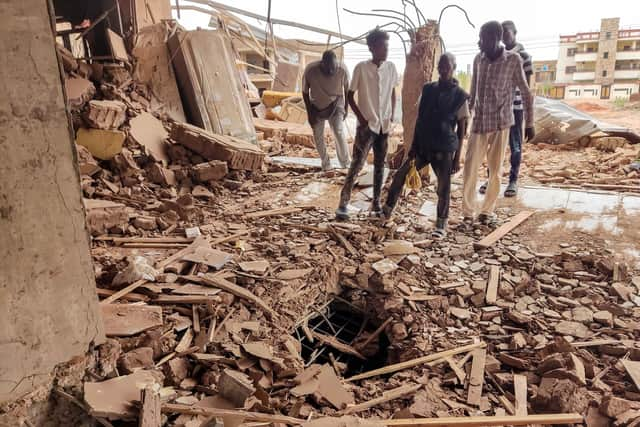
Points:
(464, 79)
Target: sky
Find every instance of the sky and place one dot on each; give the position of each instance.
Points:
(539, 22)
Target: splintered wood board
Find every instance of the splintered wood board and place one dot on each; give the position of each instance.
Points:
(503, 230)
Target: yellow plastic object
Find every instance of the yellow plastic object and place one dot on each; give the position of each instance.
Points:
(102, 144)
(413, 180)
(272, 98)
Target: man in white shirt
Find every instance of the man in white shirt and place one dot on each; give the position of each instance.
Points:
(324, 88)
(374, 81)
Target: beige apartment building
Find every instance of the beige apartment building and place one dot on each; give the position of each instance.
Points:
(601, 64)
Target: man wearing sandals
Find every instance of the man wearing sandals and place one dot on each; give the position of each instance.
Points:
(515, 134)
(497, 72)
(440, 129)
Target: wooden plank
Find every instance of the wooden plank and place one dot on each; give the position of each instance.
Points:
(234, 289)
(172, 408)
(333, 342)
(376, 333)
(462, 375)
(476, 378)
(520, 387)
(633, 369)
(343, 241)
(501, 231)
(124, 320)
(579, 368)
(129, 297)
(185, 299)
(124, 291)
(273, 212)
(415, 362)
(119, 240)
(387, 396)
(221, 240)
(505, 420)
(150, 412)
(492, 285)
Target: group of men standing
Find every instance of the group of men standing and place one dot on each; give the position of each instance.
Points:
(500, 100)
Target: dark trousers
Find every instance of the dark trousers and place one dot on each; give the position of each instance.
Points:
(442, 163)
(364, 141)
(515, 144)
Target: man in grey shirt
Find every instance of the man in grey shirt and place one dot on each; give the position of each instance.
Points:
(324, 89)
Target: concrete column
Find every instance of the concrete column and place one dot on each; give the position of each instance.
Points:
(48, 303)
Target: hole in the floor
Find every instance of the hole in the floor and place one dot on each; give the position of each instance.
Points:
(344, 322)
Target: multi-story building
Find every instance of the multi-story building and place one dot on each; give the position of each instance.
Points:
(601, 64)
(544, 79)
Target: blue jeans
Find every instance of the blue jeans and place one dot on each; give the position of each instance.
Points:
(515, 145)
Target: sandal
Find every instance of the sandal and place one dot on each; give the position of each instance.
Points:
(512, 190)
(483, 188)
(438, 233)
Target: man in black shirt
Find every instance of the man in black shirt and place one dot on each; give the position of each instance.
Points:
(440, 129)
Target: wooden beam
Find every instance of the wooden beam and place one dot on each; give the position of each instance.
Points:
(633, 369)
(501, 231)
(333, 342)
(172, 408)
(462, 375)
(225, 285)
(492, 285)
(520, 388)
(273, 212)
(375, 334)
(476, 378)
(415, 362)
(150, 415)
(387, 396)
(124, 291)
(505, 420)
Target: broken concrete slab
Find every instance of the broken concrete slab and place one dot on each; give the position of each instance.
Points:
(102, 144)
(259, 267)
(238, 153)
(293, 274)
(115, 398)
(330, 388)
(236, 387)
(153, 67)
(161, 175)
(79, 92)
(214, 170)
(103, 215)
(138, 358)
(106, 115)
(149, 132)
(86, 163)
(215, 99)
(124, 320)
(211, 257)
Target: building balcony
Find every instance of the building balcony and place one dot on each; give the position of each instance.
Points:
(626, 74)
(584, 75)
(621, 55)
(586, 56)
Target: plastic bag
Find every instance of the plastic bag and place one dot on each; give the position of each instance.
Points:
(413, 180)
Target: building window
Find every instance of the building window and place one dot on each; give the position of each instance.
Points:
(570, 70)
(604, 73)
(571, 51)
(605, 55)
(608, 35)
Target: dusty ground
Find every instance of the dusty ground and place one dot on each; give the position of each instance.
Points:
(608, 111)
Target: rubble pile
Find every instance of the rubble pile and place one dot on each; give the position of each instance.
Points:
(214, 280)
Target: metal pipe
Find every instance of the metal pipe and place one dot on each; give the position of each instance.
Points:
(276, 21)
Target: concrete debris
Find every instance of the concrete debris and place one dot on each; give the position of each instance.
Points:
(220, 265)
(237, 153)
(106, 115)
(79, 91)
(115, 398)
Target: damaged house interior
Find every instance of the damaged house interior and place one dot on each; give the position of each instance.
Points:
(171, 253)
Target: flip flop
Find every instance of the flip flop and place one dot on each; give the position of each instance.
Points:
(483, 188)
(512, 190)
(439, 233)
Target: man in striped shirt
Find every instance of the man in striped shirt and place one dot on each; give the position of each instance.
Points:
(497, 72)
(509, 32)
